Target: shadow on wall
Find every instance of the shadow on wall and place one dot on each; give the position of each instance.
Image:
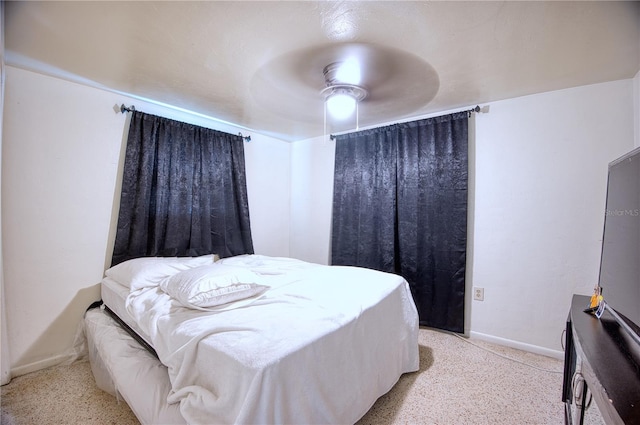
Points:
(115, 211)
(57, 343)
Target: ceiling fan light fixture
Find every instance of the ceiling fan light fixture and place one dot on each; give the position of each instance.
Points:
(341, 104)
(341, 99)
(341, 95)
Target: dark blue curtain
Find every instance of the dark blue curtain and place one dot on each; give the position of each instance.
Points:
(400, 206)
(183, 192)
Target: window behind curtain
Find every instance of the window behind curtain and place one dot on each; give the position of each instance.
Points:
(400, 206)
(183, 192)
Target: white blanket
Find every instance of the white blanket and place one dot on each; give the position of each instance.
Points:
(320, 346)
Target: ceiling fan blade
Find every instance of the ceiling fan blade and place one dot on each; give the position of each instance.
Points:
(397, 82)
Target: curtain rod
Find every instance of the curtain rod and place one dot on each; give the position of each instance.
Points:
(477, 109)
(132, 108)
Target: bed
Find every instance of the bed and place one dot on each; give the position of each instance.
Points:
(251, 339)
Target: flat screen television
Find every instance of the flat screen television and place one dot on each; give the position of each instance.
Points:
(619, 277)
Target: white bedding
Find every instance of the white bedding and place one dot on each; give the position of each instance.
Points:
(122, 367)
(348, 335)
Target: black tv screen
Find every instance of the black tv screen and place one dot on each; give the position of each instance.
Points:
(620, 260)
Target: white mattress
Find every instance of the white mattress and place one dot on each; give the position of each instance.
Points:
(319, 347)
(114, 296)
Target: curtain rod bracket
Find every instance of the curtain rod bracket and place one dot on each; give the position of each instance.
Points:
(246, 138)
(124, 109)
(480, 110)
(475, 110)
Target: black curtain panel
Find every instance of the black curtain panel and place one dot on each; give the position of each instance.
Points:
(400, 206)
(183, 192)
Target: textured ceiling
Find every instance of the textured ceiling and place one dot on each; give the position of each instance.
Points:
(259, 64)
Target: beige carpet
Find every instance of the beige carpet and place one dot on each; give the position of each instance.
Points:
(459, 382)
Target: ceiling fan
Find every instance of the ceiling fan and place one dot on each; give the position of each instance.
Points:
(383, 83)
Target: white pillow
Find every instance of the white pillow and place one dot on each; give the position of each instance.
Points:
(150, 271)
(213, 285)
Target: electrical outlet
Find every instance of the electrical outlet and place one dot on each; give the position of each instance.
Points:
(478, 294)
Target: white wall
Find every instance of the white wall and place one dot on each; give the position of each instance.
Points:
(5, 364)
(312, 163)
(268, 184)
(541, 169)
(541, 165)
(62, 146)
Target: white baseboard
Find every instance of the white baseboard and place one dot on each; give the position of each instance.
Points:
(519, 345)
(41, 364)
